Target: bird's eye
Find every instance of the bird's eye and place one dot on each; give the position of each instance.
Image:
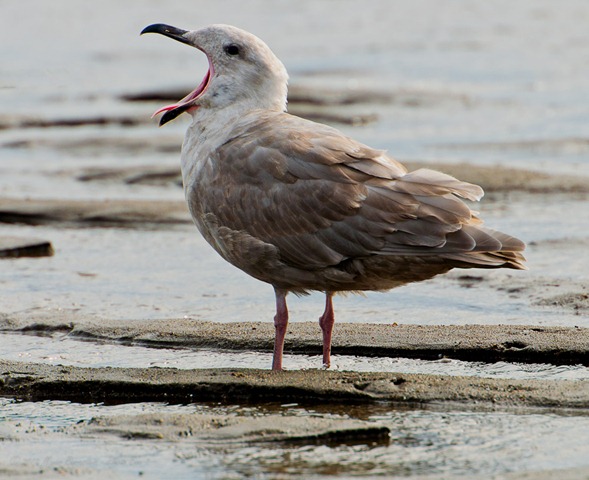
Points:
(231, 49)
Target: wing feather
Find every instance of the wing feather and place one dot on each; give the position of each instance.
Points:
(321, 198)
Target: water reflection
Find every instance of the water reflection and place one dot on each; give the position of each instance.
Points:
(422, 443)
(64, 350)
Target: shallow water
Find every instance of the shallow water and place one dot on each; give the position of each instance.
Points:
(466, 82)
(494, 75)
(63, 350)
(422, 443)
(172, 272)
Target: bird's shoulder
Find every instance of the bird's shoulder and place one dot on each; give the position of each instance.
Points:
(291, 148)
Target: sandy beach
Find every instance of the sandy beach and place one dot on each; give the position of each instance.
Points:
(128, 348)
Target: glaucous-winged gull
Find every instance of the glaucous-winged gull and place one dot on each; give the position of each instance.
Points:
(302, 207)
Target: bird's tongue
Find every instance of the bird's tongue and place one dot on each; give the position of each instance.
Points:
(172, 111)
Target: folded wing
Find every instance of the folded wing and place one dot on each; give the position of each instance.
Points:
(321, 198)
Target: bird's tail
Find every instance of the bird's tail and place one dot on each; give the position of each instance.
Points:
(492, 250)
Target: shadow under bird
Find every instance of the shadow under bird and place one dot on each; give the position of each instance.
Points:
(302, 207)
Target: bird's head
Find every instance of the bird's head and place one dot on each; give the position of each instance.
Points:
(243, 71)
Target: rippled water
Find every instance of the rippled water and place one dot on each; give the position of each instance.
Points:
(484, 82)
(62, 350)
(422, 443)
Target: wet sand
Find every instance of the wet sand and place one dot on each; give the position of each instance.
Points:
(97, 248)
(478, 343)
(37, 382)
(222, 431)
(105, 213)
(34, 382)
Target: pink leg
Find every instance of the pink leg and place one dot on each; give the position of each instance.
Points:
(326, 322)
(280, 324)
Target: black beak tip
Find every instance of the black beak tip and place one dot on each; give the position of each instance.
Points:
(154, 28)
(167, 30)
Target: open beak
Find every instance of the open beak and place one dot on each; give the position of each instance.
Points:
(188, 102)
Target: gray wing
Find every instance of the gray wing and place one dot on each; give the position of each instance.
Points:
(321, 198)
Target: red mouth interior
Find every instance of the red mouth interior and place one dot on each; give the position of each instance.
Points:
(185, 103)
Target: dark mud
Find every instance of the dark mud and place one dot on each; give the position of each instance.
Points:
(104, 213)
(36, 382)
(223, 429)
(11, 247)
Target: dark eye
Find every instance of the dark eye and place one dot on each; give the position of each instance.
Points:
(231, 49)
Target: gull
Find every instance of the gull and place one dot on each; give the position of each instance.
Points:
(301, 206)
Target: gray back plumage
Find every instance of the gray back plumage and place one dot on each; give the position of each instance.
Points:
(301, 206)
